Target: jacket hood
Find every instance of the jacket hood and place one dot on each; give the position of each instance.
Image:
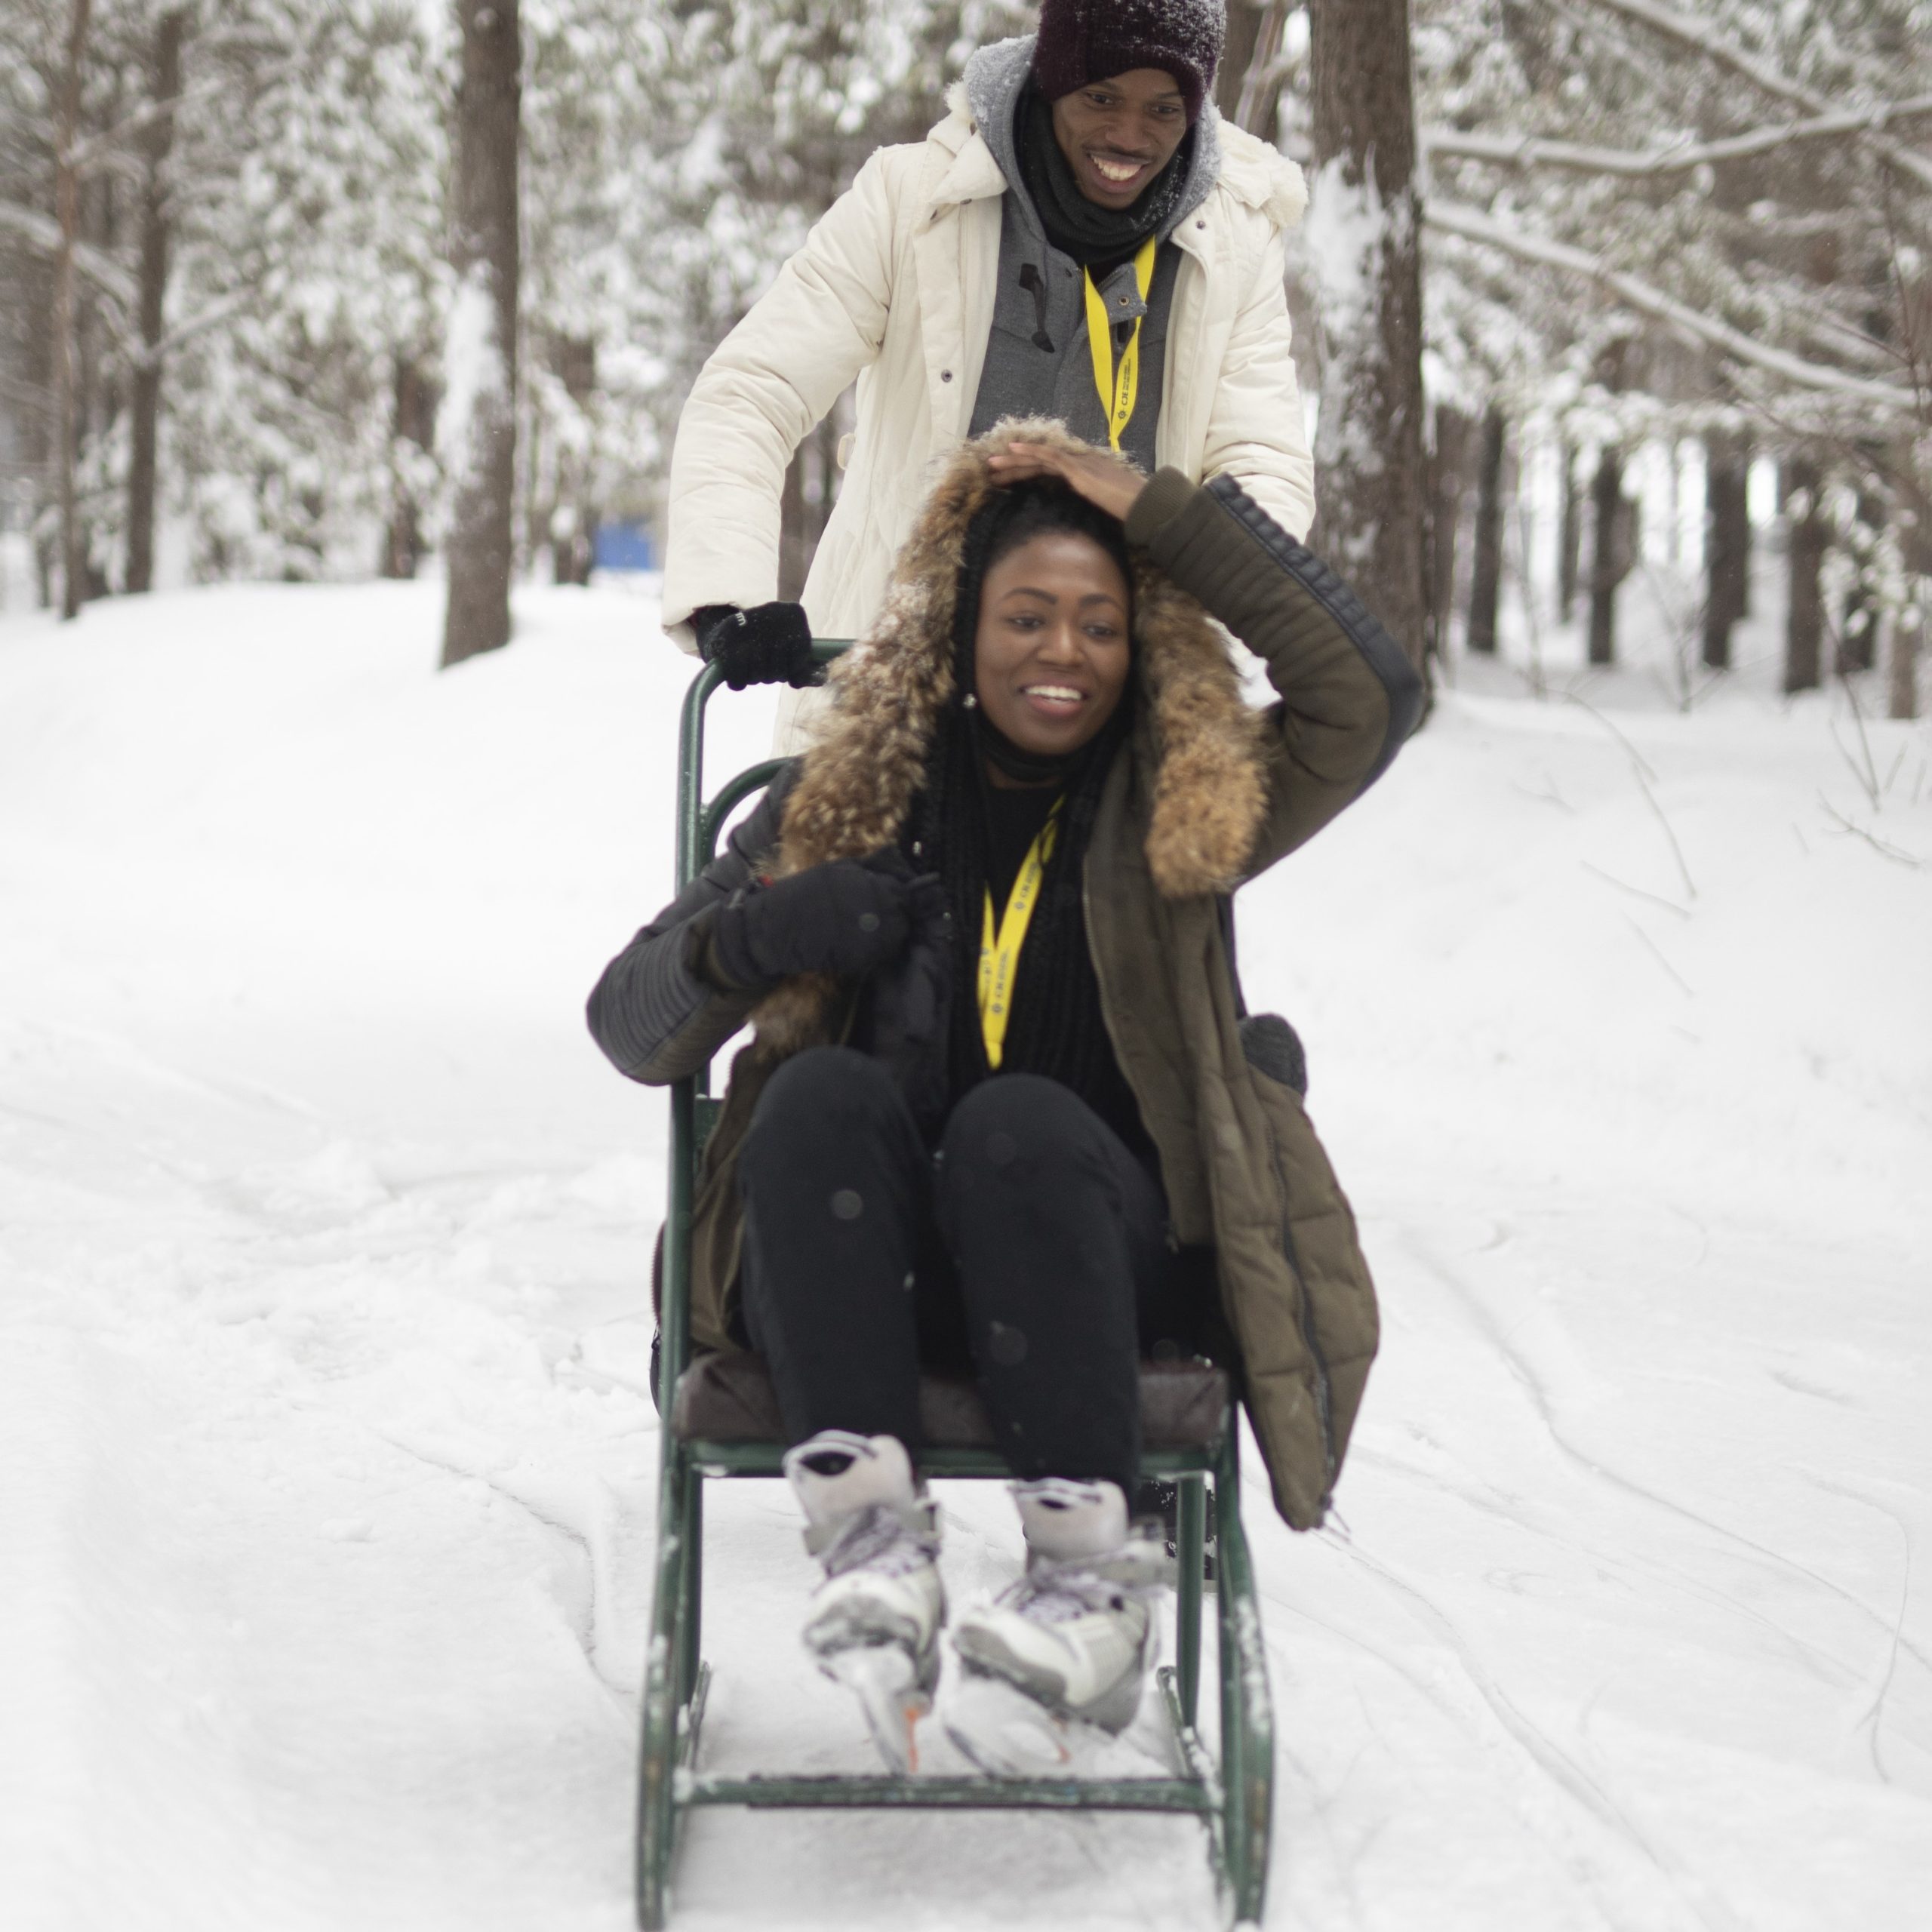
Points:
(994, 78)
(857, 782)
(1198, 742)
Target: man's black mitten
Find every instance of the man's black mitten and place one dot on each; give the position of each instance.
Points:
(771, 644)
(845, 918)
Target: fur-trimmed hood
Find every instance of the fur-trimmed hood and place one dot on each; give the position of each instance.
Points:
(1207, 790)
(857, 782)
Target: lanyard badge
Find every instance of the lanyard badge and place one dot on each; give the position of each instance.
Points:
(1000, 941)
(1119, 386)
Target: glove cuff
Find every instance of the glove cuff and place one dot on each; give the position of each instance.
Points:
(718, 949)
(708, 621)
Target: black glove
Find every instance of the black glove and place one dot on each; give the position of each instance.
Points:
(846, 917)
(771, 644)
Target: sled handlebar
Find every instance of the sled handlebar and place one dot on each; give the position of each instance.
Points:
(698, 822)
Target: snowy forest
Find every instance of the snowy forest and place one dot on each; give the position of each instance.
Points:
(1606, 281)
(343, 348)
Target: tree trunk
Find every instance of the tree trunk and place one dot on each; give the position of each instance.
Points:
(1486, 568)
(805, 506)
(794, 543)
(1569, 538)
(67, 384)
(1245, 91)
(402, 541)
(573, 551)
(1808, 536)
(1611, 562)
(412, 422)
(1448, 485)
(1908, 629)
(1369, 449)
(157, 139)
(480, 378)
(1237, 55)
(97, 389)
(1858, 633)
(573, 535)
(1727, 542)
(1906, 634)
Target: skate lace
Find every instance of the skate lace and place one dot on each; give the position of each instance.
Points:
(1062, 1598)
(878, 1539)
(1056, 1592)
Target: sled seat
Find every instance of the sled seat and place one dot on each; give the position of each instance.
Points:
(729, 1399)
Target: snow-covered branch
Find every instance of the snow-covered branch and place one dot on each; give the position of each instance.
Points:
(1473, 224)
(42, 232)
(84, 154)
(1531, 151)
(1693, 34)
(144, 356)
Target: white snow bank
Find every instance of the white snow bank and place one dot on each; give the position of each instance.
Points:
(325, 1475)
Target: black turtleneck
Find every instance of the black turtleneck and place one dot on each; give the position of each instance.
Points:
(1013, 819)
(1013, 814)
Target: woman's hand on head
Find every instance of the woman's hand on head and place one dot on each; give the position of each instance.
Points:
(1108, 481)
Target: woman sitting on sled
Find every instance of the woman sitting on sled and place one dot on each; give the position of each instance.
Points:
(1000, 1117)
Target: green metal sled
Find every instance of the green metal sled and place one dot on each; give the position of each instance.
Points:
(719, 1420)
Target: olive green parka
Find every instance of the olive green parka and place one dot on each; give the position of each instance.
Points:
(1208, 791)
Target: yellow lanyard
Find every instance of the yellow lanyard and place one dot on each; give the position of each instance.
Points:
(999, 945)
(1119, 386)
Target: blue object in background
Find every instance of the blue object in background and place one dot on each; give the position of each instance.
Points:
(623, 546)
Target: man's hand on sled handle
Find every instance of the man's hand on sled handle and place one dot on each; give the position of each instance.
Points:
(1109, 482)
(771, 644)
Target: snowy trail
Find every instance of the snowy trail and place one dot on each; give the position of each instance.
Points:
(326, 1467)
(1595, 1630)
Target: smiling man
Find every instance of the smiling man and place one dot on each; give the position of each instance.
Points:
(1081, 238)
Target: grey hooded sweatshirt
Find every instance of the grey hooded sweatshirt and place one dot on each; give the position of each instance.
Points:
(1038, 362)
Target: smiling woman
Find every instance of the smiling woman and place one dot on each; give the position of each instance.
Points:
(1001, 1119)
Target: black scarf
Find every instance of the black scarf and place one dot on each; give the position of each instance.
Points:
(1057, 1029)
(1090, 233)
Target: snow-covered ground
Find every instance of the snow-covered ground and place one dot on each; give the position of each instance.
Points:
(325, 1467)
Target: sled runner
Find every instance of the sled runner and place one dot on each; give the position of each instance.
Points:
(721, 1419)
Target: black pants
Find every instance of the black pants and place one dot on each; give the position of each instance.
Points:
(1032, 1249)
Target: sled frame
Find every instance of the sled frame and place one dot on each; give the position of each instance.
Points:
(1231, 1794)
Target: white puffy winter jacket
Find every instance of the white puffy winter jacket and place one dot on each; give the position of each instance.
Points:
(895, 287)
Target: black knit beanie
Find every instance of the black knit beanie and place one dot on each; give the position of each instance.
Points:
(1081, 41)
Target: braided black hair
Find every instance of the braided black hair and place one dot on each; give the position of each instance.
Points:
(1043, 506)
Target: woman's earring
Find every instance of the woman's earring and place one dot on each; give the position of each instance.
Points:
(971, 701)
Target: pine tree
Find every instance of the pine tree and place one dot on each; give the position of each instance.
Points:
(478, 430)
